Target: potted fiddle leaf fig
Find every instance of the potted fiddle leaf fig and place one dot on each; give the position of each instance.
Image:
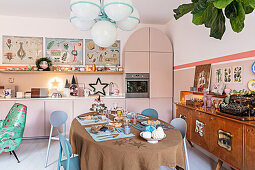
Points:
(214, 13)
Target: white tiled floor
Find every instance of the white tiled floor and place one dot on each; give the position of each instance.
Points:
(32, 156)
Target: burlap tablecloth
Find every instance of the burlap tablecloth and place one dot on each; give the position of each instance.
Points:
(121, 154)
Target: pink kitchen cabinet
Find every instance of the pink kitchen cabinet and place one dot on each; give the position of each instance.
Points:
(35, 118)
(137, 62)
(5, 107)
(139, 40)
(161, 74)
(82, 106)
(58, 105)
(137, 105)
(159, 42)
(163, 106)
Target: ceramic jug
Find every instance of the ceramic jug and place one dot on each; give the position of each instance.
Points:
(7, 93)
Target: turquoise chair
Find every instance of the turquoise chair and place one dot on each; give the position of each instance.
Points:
(72, 162)
(150, 112)
(12, 129)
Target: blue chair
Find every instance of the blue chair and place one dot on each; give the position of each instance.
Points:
(71, 163)
(150, 112)
(181, 125)
(57, 118)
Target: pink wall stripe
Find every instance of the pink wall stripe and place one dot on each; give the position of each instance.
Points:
(237, 56)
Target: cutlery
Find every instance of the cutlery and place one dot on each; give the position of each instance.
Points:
(110, 137)
(103, 136)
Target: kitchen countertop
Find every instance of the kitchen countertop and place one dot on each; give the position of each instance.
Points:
(63, 98)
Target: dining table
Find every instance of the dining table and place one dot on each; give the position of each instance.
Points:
(132, 153)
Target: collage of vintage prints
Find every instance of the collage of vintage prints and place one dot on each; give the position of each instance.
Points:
(229, 75)
(61, 51)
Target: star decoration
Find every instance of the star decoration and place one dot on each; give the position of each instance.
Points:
(102, 91)
(55, 84)
(138, 144)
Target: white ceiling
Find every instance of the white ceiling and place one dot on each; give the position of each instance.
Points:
(151, 11)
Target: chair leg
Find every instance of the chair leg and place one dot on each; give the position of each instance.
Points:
(10, 152)
(48, 150)
(15, 156)
(186, 154)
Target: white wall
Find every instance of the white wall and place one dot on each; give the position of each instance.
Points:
(53, 28)
(192, 43)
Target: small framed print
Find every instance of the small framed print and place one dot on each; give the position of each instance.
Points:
(227, 72)
(237, 74)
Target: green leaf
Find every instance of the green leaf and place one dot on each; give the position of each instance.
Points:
(201, 17)
(210, 16)
(237, 23)
(220, 4)
(200, 6)
(252, 3)
(218, 26)
(248, 9)
(182, 10)
(231, 11)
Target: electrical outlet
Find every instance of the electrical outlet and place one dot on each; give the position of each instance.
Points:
(11, 80)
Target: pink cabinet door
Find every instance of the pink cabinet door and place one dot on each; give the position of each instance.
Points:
(109, 103)
(82, 106)
(159, 42)
(137, 62)
(161, 75)
(5, 107)
(137, 105)
(164, 108)
(58, 105)
(35, 118)
(139, 40)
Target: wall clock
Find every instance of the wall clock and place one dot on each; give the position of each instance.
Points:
(253, 68)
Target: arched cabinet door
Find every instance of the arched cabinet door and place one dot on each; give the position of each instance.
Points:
(159, 42)
(139, 41)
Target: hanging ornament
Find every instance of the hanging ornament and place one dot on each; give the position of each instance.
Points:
(100, 90)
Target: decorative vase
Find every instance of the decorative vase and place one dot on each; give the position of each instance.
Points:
(204, 98)
(209, 101)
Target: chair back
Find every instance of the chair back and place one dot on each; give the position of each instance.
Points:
(181, 125)
(16, 116)
(58, 118)
(150, 112)
(65, 146)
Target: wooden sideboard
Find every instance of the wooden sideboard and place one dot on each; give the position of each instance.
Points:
(231, 140)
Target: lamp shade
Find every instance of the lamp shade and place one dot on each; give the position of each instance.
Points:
(131, 22)
(81, 24)
(88, 9)
(104, 33)
(118, 10)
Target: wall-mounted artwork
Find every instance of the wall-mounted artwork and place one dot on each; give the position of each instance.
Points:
(218, 75)
(227, 75)
(202, 76)
(64, 51)
(200, 128)
(21, 50)
(102, 56)
(237, 73)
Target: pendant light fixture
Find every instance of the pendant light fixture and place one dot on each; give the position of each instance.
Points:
(103, 17)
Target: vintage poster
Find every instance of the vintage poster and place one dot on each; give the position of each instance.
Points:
(227, 75)
(202, 76)
(22, 50)
(100, 56)
(237, 72)
(64, 51)
(218, 75)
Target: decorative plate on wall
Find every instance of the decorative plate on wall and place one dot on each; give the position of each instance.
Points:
(251, 85)
(253, 68)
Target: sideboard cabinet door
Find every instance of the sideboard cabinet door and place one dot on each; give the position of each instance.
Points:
(227, 141)
(5, 107)
(200, 129)
(249, 148)
(183, 112)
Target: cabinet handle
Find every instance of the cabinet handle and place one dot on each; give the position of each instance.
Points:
(249, 130)
(212, 118)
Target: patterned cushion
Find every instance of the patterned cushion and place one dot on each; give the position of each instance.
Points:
(16, 116)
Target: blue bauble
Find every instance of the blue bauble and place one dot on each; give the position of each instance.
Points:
(149, 128)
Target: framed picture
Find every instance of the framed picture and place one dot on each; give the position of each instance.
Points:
(102, 56)
(21, 50)
(218, 75)
(64, 51)
(202, 76)
(227, 75)
(237, 74)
